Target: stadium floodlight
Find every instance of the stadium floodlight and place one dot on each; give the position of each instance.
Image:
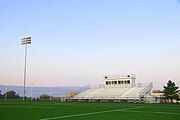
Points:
(25, 41)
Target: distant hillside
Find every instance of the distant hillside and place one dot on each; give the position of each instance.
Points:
(37, 91)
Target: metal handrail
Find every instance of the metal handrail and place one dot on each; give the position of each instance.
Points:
(82, 89)
(141, 93)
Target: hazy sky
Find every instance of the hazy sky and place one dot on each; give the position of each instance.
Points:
(76, 42)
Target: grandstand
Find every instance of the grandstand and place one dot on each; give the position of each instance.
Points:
(117, 88)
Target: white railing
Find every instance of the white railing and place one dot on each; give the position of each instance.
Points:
(146, 89)
(82, 89)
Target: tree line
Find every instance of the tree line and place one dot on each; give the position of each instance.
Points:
(13, 95)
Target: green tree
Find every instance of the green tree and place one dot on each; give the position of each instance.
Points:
(1, 96)
(11, 94)
(45, 97)
(171, 91)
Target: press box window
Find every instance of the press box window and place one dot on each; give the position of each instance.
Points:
(115, 82)
(106, 82)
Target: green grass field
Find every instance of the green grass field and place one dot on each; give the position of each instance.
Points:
(19, 110)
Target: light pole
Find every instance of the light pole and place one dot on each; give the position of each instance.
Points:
(25, 41)
(50, 94)
(31, 91)
(5, 97)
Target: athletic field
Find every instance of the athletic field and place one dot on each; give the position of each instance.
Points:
(19, 110)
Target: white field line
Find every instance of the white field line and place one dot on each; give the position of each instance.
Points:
(164, 107)
(168, 113)
(24, 107)
(91, 113)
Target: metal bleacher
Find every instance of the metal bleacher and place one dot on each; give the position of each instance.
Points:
(116, 92)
